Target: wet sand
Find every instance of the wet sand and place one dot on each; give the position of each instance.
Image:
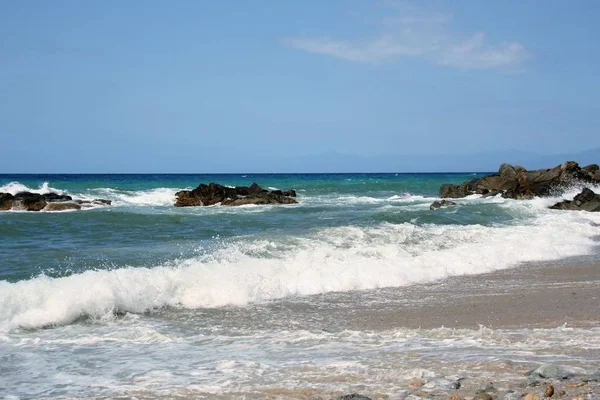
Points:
(527, 296)
(510, 302)
(524, 297)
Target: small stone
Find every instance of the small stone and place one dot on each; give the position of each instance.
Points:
(488, 388)
(549, 391)
(511, 396)
(353, 396)
(456, 397)
(483, 396)
(530, 396)
(416, 383)
(561, 393)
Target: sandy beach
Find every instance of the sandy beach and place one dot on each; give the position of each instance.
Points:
(519, 303)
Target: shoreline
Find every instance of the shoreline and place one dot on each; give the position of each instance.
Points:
(528, 296)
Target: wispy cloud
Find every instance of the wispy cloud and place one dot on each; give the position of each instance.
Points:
(376, 50)
(418, 35)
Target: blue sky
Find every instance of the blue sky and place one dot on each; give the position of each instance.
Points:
(241, 86)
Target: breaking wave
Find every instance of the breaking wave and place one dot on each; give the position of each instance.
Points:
(252, 269)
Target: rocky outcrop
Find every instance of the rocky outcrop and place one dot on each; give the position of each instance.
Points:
(441, 203)
(587, 200)
(516, 182)
(27, 201)
(213, 193)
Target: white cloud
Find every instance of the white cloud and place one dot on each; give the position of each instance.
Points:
(373, 51)
(418, 35)
(472, 53)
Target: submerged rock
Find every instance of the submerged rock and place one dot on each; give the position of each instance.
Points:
(551, 371)
(62, 206)
(516, 182)
(441, 203)
(213, 193)
(587, 200)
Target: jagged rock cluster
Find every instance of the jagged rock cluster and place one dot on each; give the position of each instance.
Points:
(213, 193)
(516, 182)
(587, 200)
(27, 201)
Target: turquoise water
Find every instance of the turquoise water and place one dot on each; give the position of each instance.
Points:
(143, 298)
(143, 229)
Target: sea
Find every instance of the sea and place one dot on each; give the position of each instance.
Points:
(144, 300)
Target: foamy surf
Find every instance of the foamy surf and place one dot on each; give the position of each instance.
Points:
(249, 270)
(16, 187)
(153, 197)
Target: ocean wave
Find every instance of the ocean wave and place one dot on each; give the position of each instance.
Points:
(151, 197)
(16, 187)
(334, 259)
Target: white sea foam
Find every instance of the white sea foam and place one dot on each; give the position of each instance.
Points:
(268, 360)
(152, 197)
(16, 187)
(335, 259)
(366, 200)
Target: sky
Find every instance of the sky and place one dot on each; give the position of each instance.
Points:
(292, 86)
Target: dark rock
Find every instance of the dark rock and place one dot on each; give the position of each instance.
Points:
(6, 201)
(483, 396)
(102, 202)
(549, 391)
(95, 202)
(591, 169)
(62, 206)
(50, 197)
(29, 201)
(453, 191)
(516, 182)
(441, 203)
(213, 193)
(495, 183)
(353, 396)
(253, 189)
(587, 200)
(48, 201)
